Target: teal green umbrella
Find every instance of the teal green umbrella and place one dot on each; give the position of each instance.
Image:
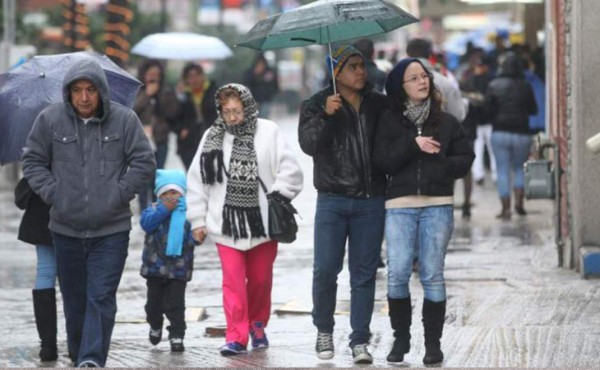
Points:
(324, 22)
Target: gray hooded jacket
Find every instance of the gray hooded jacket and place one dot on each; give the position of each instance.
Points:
(89, 172)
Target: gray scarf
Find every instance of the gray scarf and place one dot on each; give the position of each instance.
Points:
(241, 208)
(417, 114)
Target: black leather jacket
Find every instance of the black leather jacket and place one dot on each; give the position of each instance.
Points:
(413, 172)
(341, 145)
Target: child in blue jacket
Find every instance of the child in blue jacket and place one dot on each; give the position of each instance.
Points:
(168, 257)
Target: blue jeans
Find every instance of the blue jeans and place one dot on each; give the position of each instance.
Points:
(89, 273)
(423, 232)
(511, 152)
(361, 223)
(45, 274)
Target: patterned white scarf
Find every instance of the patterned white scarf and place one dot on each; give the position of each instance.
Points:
(417, 114)
(241, 208)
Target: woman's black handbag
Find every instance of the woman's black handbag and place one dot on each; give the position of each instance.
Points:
(282, 223)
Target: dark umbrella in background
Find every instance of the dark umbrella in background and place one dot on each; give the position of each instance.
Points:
(325, 21)
(26, 90)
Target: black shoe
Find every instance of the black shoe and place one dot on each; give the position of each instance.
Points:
(398, 351)
(155, 336)
(520, 211)
(44, 307)
(480, 182)
(433, 355)
(466, 211)
(177, 345)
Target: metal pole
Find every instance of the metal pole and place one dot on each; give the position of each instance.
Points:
(163, 15)
(221, 15)
(8, 40)
(10, 173)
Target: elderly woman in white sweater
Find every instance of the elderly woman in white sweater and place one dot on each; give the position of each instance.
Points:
(226, 202)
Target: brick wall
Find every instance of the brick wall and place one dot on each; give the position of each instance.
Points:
(560, 103)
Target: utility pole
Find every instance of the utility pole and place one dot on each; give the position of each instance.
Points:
(9, 174)
(163, 15)
(9, 21)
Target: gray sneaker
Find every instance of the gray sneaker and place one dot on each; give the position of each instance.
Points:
(361, 355)
(324, 346)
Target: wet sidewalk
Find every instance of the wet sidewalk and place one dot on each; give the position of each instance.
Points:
(508, 303)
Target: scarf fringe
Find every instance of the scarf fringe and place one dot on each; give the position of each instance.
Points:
(207, 166)
(236, 220)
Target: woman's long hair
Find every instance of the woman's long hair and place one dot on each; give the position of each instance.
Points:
(398, 99)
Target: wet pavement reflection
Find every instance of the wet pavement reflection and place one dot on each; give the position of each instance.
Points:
(508, 303)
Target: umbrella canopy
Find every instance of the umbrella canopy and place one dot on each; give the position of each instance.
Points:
(326, 21)
(26, 90)
(181, 46)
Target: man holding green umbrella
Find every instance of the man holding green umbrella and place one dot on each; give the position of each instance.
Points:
(337, 130)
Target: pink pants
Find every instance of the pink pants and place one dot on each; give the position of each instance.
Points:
(247, 283)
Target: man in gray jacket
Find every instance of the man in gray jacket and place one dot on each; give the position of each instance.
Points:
(87, 157)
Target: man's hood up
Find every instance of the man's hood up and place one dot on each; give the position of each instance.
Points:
(90, 70)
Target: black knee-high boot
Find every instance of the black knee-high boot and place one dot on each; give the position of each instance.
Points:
(400, 317)
(433, 325)
(44, 307)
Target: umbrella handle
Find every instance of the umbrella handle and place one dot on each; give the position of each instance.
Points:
(331, 65)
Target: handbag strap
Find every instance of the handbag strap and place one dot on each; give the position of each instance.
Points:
(262, 185)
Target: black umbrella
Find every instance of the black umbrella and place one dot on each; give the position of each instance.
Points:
(26, 90)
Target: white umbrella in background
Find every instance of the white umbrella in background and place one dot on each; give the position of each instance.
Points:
(182, 46)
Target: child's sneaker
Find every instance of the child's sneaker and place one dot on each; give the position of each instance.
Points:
(177, 345)
(155, 336)
(258, 336)
(232, 349)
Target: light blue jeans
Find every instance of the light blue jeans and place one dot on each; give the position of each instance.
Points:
(511, 151)
(423, 233)
(45, 275)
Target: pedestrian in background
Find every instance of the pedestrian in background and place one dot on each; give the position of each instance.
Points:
(87, 158)
(477, 85)
(226, 202)
(168, 257)
(375, 76)
(261, 79)
(34, 230)
(473, 86)
(509, 101)
(422, 150)
(338, 131)
(196, 96)
(157, 107)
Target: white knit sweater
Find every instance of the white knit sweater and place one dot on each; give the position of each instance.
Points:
(277, 167)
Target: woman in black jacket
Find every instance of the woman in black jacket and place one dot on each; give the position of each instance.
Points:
(34, 230)
(422, 150)
(509, 101)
